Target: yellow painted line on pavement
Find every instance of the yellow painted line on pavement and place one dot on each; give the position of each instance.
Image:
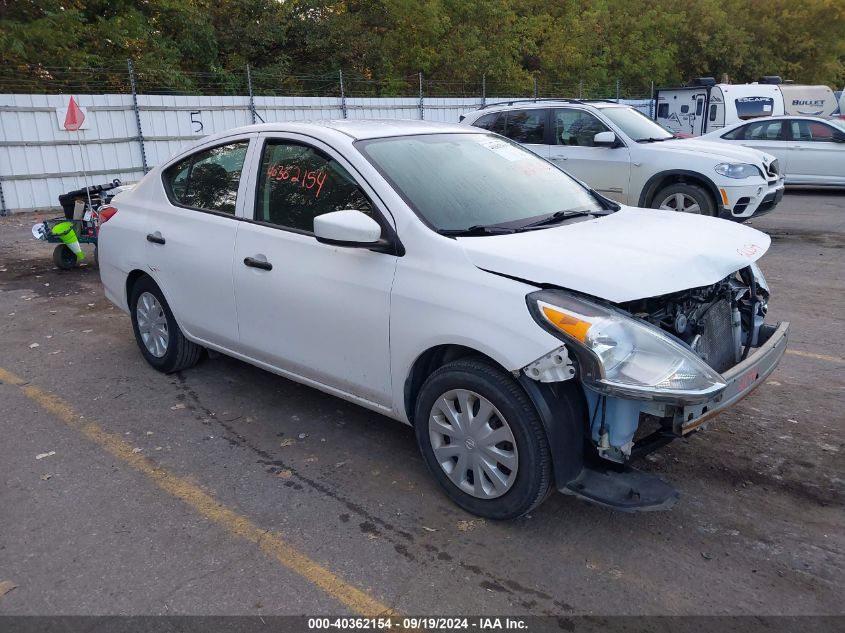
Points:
(825, 357)
(204, 504)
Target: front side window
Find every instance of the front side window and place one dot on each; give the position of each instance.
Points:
(208, 180)
(297, 183)
(525, 126)
(576, 128)
(763, 131)
(458, 181)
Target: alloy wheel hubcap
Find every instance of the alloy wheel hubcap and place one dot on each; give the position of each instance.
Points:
(152, 324)
(680, 202)
(473, 444)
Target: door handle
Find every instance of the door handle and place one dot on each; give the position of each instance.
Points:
(155, 238)
(258, 263)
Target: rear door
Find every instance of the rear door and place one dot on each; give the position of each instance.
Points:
(317, 311)
(527, 127)
(605, 169)
(191, 239)
(816, 157)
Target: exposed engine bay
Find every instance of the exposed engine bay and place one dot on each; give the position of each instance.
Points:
(720, 323)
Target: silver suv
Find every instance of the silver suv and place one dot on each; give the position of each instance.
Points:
(624, 155)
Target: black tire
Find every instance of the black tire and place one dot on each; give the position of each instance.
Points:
(534, 471)
(64, 258)
(702, 197)
(180, 352)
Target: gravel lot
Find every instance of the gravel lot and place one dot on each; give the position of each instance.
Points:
(99, 529)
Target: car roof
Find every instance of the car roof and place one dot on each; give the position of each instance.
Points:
(776, 117)
(356, 129)
(523, 104)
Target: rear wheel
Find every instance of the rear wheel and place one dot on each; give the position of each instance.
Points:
(684, 198)
(64, 258)
(482, 439)
(158, 335)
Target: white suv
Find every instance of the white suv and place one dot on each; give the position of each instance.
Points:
(624, 155)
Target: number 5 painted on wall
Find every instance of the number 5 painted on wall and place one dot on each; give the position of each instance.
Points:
(195, 119)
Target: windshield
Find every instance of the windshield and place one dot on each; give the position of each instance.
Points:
(458, 181)
(636, 125)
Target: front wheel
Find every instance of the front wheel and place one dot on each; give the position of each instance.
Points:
(685, 199)
(158, 335)
(483, 440)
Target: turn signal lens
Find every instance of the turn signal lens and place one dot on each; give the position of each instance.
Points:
(573, 326)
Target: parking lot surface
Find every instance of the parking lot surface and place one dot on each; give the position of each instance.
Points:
(228, 490)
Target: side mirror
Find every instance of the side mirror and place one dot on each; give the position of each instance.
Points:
(839, 137)
(604, 139)
(347, 228)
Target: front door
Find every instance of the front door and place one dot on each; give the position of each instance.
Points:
(605, 169)
(317, 311)
(768, 136)
(191, 239)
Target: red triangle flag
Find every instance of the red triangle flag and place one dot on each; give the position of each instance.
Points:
(74, 116)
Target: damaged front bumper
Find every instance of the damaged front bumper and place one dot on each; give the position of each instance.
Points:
(741, 380)
(612, 482)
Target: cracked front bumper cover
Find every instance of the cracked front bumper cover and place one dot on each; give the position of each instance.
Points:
(741, 380)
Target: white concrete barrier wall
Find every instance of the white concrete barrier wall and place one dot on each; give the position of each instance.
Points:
(40, 160)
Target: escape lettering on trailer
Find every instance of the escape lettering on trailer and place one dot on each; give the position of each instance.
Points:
(311, 180)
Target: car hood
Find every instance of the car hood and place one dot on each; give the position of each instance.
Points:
(720, 152)
(631, 254)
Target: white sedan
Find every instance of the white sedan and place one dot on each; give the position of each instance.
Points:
(455, 281)
(810, 150)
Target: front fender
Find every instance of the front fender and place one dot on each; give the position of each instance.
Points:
(563, 411)
(653, 184)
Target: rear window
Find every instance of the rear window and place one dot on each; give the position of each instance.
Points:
(753, 107)
(208, 180)
(487, 121)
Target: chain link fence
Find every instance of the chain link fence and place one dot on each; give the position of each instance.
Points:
(118, 79)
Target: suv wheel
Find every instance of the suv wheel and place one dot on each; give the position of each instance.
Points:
(482, 439)
(156, 331)
(684, 198)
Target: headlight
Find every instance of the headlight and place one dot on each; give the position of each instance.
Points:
(622, 356)
(738, 170)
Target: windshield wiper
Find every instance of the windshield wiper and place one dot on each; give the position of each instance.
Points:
(654, 140)
(477, 229)
(558, 216)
